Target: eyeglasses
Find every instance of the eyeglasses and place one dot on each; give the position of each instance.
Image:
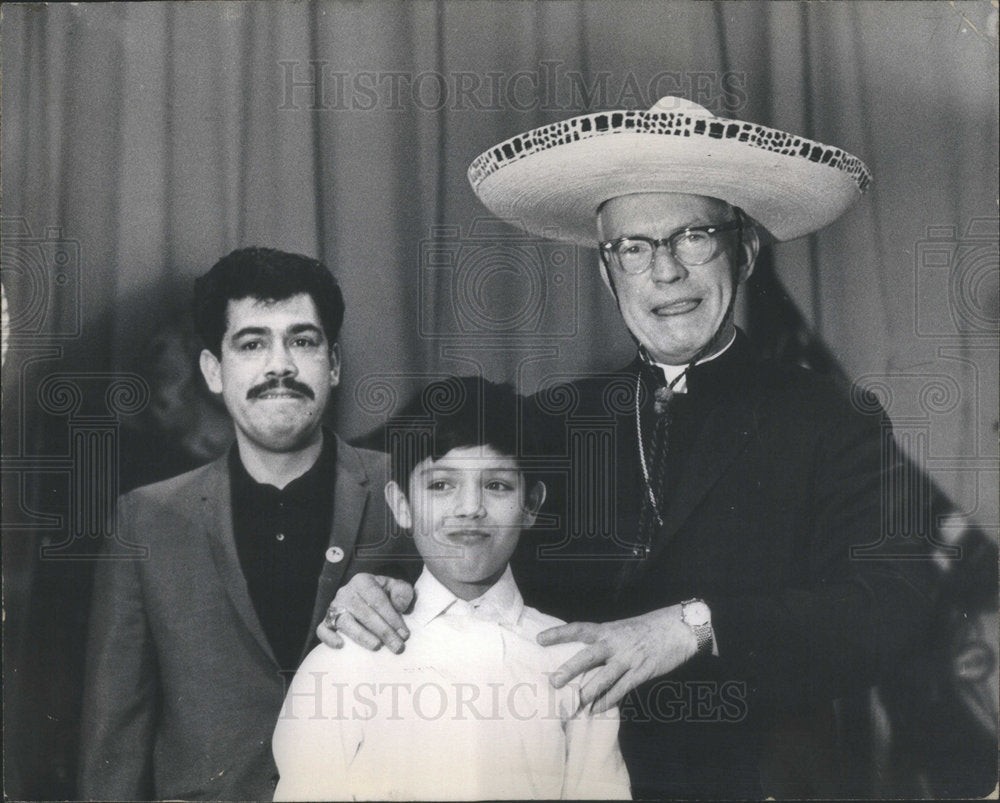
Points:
(691, 247)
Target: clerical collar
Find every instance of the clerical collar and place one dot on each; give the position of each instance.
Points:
(672, 372)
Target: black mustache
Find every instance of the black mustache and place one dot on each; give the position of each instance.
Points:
(287, 383)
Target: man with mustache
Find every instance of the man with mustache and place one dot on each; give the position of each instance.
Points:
(190, 647)
(738, 575)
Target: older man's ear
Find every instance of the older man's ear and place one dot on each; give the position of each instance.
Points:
(751, 248)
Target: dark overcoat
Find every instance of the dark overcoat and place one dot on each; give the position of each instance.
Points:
(787, 508)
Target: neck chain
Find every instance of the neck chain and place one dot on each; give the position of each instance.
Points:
(662, 396)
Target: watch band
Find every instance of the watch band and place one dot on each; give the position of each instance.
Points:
(701, 627)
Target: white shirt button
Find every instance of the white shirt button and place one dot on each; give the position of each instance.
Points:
(280, 537)
(335, 554)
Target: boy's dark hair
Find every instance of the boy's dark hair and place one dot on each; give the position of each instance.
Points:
(454, 413)
(267, 274)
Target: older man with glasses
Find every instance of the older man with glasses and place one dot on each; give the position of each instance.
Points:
(740, 587)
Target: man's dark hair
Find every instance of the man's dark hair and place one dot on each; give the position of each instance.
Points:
(269, 275)
(455, 413)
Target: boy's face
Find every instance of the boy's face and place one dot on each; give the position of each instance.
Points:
(466, 512)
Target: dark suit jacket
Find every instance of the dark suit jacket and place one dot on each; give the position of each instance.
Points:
(783, 477)
(183, 691)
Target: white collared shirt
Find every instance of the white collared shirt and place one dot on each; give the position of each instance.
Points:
(466, 712)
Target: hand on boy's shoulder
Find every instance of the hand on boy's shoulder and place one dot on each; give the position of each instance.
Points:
(552, 658)
(533, 622)
(618, 656)
(372, 606)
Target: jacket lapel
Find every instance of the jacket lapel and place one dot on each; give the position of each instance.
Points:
(727, 431)
(350, 498)
(216, 501)
(722, 439)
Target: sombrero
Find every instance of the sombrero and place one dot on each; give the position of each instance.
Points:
(551, 180)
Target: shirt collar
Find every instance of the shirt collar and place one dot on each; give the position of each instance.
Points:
(316, 481)
(433, 599)
(671, 372)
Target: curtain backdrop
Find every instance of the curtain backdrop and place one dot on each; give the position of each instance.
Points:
(141, 142)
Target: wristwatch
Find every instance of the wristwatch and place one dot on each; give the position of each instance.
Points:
(696, 615)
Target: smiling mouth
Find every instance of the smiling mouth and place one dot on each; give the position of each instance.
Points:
(681, 307)
(280, 394)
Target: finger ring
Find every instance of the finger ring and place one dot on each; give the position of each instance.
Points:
(332, 615)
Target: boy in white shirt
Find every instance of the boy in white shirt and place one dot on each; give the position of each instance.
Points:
(466, 712)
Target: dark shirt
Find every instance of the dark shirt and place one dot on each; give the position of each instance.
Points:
(281, 538)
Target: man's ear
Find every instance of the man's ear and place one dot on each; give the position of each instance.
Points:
(605, 268)
(334, 365)
(606, 276)
(534, 499)
(211, 370)
(399, 505)
(751, 247)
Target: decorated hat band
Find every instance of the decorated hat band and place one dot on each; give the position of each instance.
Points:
(551, 180)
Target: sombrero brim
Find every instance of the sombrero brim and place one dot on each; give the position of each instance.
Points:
(550, 181)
